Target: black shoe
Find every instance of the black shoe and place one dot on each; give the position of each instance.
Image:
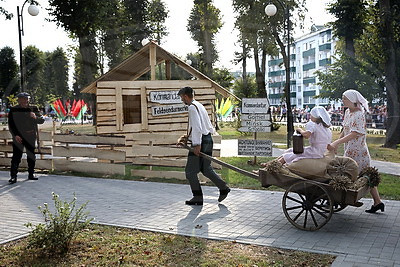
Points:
(223, 194)
(374, 209)
(13, 180)
(31, 177)
(194, 202)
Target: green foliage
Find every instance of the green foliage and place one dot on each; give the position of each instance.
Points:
(223, 77)
(34, 63)
(12, 100)
(8, 72)
(156, 16)
(204, 22)
(61, 227)
(248, 90)
(5, 13)
(346, 71)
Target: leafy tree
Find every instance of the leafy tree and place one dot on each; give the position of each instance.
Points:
(8, 72)
(373, 66)
(156, 16)
(204, 22)
(245, 90)
(223, 77)
(34, 63)
(55, 75)
(135, 18)
(81, 19)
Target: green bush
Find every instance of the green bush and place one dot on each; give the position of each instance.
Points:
(60, 228)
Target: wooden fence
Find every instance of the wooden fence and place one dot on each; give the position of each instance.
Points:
(81, 153)
(108, 154)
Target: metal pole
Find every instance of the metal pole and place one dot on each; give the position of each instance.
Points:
(290, 128)
(21, 61)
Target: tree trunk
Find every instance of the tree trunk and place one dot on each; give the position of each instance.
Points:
(88, 53)
(260, 75)
(244, 67)
(392, 81)
(208, 54)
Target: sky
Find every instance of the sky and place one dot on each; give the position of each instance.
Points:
(47, 36)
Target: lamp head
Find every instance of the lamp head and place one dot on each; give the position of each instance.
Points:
(33, 10)
(145, 41)
(270, 10)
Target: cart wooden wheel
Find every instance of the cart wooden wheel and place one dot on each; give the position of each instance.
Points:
(336, 207)
(301, 204)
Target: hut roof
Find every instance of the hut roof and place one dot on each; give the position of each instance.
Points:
(138, 64)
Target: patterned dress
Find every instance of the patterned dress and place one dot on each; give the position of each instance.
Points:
(319, 140)
(357, 148)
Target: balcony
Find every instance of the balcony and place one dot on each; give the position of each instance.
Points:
(277, 84)
(276, 73)
(309, 93)
(309, 53)
(275, 62)
(309, 66)
(324, 62)
(309, 80)
(281, 95)
(326, 46)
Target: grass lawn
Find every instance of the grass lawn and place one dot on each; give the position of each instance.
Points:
(112, 246)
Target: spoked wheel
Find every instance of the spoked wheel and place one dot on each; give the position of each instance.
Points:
(301, 204)
(336, 207)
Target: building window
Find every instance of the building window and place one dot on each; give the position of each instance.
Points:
(132, 109)
(298, 88)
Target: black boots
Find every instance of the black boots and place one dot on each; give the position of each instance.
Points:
(197, 198)
(13, 180)
(223, 193)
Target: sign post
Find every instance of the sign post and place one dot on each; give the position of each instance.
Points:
(255, 118)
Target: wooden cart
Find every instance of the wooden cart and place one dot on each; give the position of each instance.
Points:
(309, 204)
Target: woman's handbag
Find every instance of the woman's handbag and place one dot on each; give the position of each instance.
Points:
(298, 143)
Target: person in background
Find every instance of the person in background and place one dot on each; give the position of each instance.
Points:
(22, 122)
(354, 138)
(199, 133)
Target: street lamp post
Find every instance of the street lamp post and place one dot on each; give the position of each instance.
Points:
(270, 10)
(33, 10)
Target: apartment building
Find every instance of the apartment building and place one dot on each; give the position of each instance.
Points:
(308, 54)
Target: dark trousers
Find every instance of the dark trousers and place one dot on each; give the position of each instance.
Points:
(197, 164)
(29, 143)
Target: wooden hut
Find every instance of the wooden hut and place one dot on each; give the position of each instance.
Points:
(128, 104)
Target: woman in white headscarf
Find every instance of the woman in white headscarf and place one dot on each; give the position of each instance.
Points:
(353, 137)
(318, 133)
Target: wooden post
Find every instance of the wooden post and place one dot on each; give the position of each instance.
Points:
(168, 70)
(119, 108)
(255, 157)
(143, 103)
(153, 61)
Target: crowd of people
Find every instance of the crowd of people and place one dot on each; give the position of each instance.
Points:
(375, 118)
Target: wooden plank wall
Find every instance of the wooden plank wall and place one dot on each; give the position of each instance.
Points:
(158, 149)
(84, 153)
(110, 106)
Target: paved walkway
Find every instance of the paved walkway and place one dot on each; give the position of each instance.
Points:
(247, 216)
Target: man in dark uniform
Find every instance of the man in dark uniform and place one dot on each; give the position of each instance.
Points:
(22, 122)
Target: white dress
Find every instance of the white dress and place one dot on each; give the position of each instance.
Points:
(319, 140)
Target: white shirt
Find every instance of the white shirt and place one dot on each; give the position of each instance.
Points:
(199, 122)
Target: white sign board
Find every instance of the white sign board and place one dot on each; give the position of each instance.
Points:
(251, 147)
(165, 97)
(256, 117)
(255, 105)
(255, 123)
(167, 110)
(255, 129)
